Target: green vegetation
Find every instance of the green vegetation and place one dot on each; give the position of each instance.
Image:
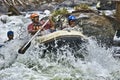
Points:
(82, 7)
(61, 11)
(58, 12)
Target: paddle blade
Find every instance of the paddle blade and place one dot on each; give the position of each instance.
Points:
(23, 49)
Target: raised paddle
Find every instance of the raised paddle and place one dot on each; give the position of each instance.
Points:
(23, 49)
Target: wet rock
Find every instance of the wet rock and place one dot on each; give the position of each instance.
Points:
(106, 5)
(2, 10)
(47, 6)
(102, 27)
(72, 3)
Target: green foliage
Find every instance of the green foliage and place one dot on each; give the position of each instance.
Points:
(57, 13)
(61, 11)
(82, 7)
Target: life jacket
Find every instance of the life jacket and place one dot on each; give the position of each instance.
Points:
(33, 26)
(47, 26)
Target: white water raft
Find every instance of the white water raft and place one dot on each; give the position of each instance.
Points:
(61, 34)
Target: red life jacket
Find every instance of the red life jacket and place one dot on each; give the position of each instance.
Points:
(47, 26)
(33, 26)
(30, 27)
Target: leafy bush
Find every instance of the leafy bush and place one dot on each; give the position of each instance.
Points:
(82, 7)
(58, 12)
(61, 11)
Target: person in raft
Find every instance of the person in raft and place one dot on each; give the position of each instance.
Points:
(72, 24)
(37, 24)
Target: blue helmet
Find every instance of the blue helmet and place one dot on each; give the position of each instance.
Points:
(71, 17)
(10, 33)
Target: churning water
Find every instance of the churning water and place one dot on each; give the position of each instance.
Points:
(99, 64)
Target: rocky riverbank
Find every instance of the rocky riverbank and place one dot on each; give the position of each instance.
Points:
(31, 5)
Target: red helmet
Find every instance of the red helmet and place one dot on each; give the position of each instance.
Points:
(33, 15)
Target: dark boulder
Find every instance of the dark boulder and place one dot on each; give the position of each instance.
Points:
(102, 27)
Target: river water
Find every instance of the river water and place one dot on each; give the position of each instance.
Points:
(98, 65)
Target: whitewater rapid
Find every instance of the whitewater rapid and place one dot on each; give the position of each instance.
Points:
(98, 65)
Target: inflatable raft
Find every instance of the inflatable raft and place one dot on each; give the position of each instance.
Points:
(61, 34)
(59, 39)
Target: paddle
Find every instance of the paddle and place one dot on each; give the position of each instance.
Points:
(23, 49)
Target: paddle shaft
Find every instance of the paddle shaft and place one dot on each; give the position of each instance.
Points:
(35, 34)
